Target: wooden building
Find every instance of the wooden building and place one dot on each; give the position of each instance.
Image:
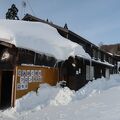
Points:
(102, 63)
(29, 57)
(23, 70)
(16, 79)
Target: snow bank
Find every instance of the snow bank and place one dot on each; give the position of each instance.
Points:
(63, 97)
(46, 95)
(97, 86)
(37, 100)
(39, 37)
(55, 96)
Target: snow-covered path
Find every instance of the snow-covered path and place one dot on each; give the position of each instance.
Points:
(99, 100)
(104, 106)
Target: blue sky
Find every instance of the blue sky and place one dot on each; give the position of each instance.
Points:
(96, 20)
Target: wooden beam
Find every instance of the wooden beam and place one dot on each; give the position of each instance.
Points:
(6, 44)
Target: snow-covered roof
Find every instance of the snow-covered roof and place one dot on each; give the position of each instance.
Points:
(104, 63)
(39, 37)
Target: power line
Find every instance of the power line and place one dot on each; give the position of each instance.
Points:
(23, 8)
(31, 7)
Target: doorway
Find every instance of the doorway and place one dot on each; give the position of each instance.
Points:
(6, 89)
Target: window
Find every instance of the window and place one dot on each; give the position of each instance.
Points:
(96, 54)
(107, 73)
(93, 53)
(99, 55)
(89, 72)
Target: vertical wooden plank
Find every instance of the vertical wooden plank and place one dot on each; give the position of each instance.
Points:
(14, 88)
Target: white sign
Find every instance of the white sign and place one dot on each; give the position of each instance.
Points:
(28, 76)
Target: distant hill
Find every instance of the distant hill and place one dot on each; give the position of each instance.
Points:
(114, 48)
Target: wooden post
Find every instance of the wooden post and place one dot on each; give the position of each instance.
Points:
(14, 88)
(0, 85)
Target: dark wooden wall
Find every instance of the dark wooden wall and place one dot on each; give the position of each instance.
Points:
(29, 57)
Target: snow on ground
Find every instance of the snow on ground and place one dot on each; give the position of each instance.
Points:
(98, 100)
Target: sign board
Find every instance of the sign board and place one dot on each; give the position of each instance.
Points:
(29, 78)
(27, 75)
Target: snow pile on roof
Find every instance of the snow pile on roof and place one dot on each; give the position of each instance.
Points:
(105, 62)
(39, 37)
(56, 96)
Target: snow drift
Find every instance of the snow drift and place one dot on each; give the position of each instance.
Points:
(98, 100)
(55, 96)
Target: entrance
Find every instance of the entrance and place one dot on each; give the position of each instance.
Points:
(6, 89)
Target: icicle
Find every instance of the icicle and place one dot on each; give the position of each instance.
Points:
(34, 58)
